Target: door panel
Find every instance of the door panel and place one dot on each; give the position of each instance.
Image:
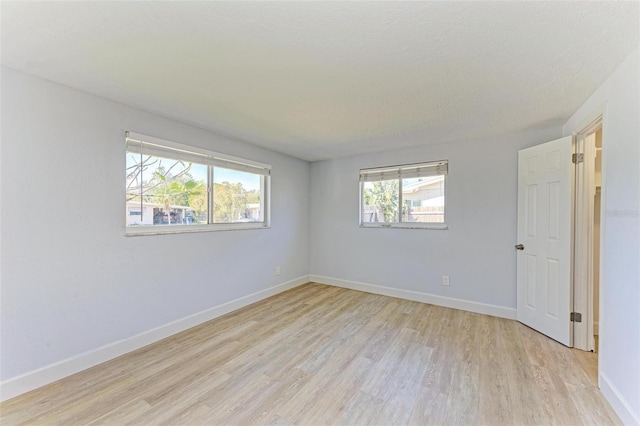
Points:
(544, 228)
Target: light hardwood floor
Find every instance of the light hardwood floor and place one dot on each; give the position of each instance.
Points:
(325, 355)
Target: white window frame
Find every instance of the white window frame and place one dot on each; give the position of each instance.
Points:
(399, 172)
(149, 145)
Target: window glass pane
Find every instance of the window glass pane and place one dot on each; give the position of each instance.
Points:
(163, 191)
(380, 201)
(237, 196)
(423, 199)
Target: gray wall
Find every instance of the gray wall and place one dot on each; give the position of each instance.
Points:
(71, 281)
(476, 251)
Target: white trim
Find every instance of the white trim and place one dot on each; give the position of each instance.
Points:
(448, 302)
(592, 121)
(581, 224)
(133, 231)
(50, 373)
(141, 138)
(583, 279)
(406, 225)
(433, 168)
(621, 406)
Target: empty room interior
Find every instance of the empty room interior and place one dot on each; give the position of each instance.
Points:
(320, 212)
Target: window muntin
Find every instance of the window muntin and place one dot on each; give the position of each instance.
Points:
(176, 188)
(407, 196)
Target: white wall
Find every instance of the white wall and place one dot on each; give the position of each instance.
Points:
(477, 251)
(71, 281)
(619, 360)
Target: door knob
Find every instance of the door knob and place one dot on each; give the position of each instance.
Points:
(519, 247)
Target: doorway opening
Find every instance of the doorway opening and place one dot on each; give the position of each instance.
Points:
(588, 204)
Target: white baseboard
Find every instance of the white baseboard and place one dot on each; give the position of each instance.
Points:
(620, 405)
(448, 302)
(50, 373)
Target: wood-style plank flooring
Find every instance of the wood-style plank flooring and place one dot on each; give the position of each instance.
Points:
(325, 355)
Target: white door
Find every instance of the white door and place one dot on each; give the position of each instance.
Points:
(544, 239)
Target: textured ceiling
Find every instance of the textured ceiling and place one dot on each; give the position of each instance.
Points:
(324, 79)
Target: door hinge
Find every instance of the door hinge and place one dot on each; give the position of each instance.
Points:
(577, 158)
(576, 317)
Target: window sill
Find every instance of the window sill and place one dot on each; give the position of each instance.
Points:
(431, 226)
(137, 231)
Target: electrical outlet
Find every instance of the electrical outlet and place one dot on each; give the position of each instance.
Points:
(277, 270)
(445, 280)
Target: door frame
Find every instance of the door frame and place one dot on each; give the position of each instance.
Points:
(583, 216)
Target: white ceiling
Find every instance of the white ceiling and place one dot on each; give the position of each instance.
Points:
(319, 80)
